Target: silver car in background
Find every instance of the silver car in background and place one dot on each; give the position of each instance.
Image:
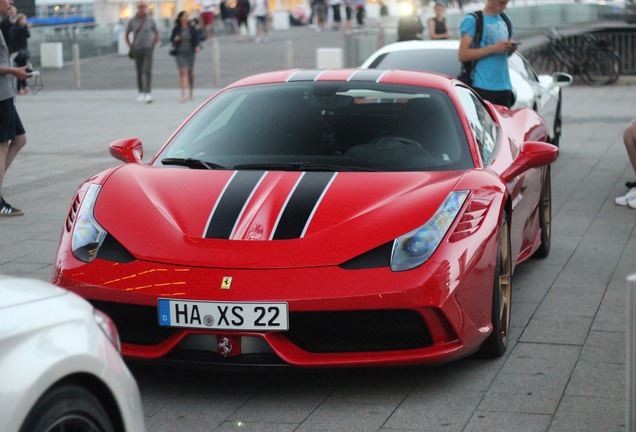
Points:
(60, 366)
(539, 92)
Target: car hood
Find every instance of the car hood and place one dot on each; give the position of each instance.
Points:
(18, 291)
(260, 219)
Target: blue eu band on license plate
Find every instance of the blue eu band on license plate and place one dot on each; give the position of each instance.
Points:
(209, 315)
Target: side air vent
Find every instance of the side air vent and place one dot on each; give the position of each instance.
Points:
(472, 218)
(72, 214)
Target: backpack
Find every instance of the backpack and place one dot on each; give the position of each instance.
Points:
(465, 75)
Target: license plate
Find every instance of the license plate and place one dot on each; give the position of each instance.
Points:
(223, 315)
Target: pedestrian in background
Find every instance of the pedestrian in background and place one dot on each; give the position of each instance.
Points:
(319, 13)
(491, 77)
(12, 133)
(360, 12)
(437, 28)
(208, 8)
(337, 17)
(145, 38)
(261, 13)
(19, 44)
(228, 15)
(629, 138)
(6, 22)
(243, 9)
(348, 24)
(186, 43)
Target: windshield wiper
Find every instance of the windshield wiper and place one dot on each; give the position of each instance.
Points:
(302, 166)
(191, 163)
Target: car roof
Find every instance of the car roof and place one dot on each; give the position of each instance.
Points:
(413, 45)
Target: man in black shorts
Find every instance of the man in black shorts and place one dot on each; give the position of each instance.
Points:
(12, 134)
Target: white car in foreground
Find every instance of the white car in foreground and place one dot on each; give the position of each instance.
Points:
(60, 367)
(539, 92)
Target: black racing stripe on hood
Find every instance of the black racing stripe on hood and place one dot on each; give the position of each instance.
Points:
(301, 204)
(228, 208)
(367, 75)
(304, 75)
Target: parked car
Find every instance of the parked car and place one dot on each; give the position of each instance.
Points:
(539, 92)
(317, 218)
(60, 365)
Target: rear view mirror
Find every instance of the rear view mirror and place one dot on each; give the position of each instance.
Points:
(533, 154)
(562, 79)
(129, 150)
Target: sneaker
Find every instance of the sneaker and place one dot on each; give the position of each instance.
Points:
(625, 199)
(141, 97)
(7, 209)
(148, 98)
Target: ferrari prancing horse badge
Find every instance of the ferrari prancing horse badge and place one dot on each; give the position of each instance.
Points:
(227, 282)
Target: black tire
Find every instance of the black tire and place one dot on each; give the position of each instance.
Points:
(545, 215)
(67, 407)
(497, 341)
(558, 122)
(600, 68)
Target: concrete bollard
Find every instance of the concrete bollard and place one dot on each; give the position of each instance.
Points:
(51, 55)
(76, 65)
(122, 46)
(329, 58)
(280, 20)
(216, 63)
(289, 55)
(631, 353)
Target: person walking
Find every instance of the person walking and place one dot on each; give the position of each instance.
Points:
(348, 24)
(261, 13)
(629, 139)
(145, 38)
(207, 13)
(19, 34)
(186, 42)
(437, 28)
(12, 133)
(336, 15)
(243, 9)
(228, 15)
(6, 22)
(360, 11)
(490, 75)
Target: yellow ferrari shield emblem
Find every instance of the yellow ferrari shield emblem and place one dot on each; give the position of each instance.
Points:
(227, 282)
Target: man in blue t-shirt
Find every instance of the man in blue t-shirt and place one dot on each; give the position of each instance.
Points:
(491, 78)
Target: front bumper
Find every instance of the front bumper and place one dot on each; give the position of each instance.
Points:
(337, 317)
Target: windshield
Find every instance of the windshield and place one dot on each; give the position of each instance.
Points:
(329, 126)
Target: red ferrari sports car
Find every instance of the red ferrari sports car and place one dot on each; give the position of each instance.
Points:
(317, 218)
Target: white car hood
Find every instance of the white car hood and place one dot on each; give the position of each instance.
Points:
(16, 291)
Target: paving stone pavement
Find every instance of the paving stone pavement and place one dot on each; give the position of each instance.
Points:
(564, 370)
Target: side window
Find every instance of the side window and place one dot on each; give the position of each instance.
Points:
(484, 128)
(518, 63)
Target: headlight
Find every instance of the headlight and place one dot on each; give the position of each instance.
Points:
(88, 235)
(108, 327)
(413, 249)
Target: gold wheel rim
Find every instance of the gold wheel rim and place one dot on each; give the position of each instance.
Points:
(505, 282)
